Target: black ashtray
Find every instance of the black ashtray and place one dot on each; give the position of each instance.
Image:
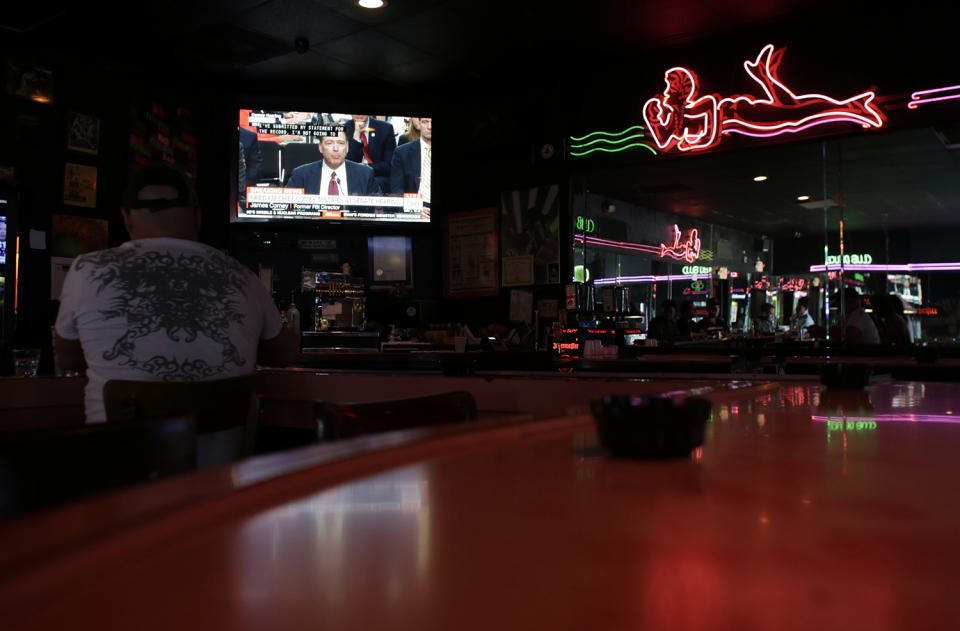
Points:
(632, 427)
(846, 376)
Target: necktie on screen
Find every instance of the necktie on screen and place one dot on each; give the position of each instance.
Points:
(366, 152)
(425, 178)
(332, 188)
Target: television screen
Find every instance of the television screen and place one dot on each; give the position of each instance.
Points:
(326, 166)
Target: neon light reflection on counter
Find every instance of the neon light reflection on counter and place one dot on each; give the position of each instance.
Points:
(892, 418)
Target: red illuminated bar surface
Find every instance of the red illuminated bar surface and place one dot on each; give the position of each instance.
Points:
(805, 509)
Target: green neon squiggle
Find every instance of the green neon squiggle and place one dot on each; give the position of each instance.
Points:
(637, 144)
(604, 133)
(611, 142)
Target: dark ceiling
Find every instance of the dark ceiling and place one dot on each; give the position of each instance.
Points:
(409, 42)
(496, 45)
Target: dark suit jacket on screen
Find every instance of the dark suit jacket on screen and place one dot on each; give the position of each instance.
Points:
(405, 169)
(380, 144)
(360, 180)
(252, 155)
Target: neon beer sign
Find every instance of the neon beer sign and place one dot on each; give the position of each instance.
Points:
(585, 225)
(850, 259)
(682, 119)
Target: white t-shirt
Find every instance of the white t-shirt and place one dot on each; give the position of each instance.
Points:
(163, 310)
(801, 323)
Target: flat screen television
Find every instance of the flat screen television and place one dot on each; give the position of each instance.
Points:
(321, 166)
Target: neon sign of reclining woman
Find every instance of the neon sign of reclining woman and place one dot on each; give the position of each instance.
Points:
(681, 119)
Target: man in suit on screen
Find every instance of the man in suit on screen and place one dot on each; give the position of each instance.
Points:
(372, 142)
(334, 174)
(410, 171)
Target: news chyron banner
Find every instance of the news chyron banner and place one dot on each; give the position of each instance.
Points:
(294, 203)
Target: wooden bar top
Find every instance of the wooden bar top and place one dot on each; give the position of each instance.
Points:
(806, 508)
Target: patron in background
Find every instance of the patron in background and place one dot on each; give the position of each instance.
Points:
(252, 156)
(372, 143)
(860, 327)
(801, 320)
(410, 171)
(663, 328)
(712, 322)
(766, 324)
(162, 306)
(410, 133)
(334, 174)
(685, 323)
(891, 326)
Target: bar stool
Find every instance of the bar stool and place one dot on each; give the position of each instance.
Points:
(226, 411)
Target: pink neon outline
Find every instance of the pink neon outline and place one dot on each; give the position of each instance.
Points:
(691, 247)
(914, 103)
(919, 93)
(766, 58)
(784, 131)
(650, 279)
(639, 247)
(903, 267)
(661, 250)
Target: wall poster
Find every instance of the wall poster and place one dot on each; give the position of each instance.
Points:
(80, 185)
(530, 227)
(472, 265)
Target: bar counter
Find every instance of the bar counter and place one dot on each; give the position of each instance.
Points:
(806, 508)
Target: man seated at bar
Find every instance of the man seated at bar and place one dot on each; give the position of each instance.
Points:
(860, 327)
(801, 320)
(685, 324)
(712, 322)
(892, 326)
(664, 327)
(765, 324)
(162, 306)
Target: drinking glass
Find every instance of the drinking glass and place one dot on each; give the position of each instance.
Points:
(25, 362)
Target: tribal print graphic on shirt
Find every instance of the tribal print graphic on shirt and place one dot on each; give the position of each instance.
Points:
(182, 295)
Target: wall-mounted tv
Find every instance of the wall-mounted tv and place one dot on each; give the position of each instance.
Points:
(294, 165)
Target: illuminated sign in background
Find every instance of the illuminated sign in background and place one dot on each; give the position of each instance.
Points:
(586, 225)
(850, 259)
(683, 119)
(685, 245)
(606, 142)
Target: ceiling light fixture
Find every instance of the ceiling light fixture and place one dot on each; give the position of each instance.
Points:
(760, 178)
(372, 4)
(803, 198)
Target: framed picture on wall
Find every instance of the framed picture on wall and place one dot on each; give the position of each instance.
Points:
(80, 185)
(472, 256)
(29, 82)
(530, 236)
(83, 133)
(72, 235)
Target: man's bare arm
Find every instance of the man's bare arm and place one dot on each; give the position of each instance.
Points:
(69, 354)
